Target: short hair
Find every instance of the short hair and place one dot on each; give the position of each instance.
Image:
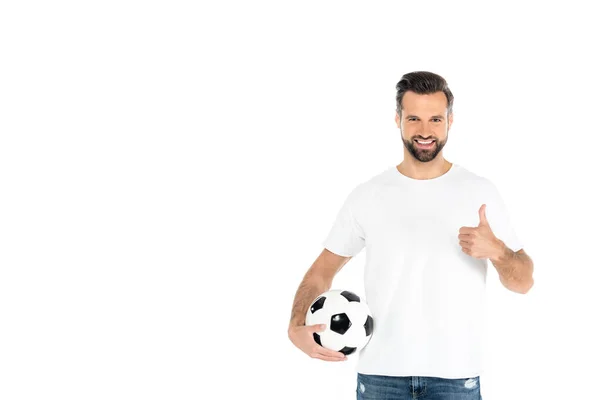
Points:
(422, 82)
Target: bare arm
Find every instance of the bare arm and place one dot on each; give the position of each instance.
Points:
(317, 280)
(515, 269)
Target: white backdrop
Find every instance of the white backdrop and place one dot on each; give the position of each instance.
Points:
(168, 171)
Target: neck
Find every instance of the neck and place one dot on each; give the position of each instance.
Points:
(423, 170)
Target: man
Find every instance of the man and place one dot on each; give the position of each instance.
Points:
(429, 227)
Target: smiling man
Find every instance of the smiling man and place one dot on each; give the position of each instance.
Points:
(429, 227)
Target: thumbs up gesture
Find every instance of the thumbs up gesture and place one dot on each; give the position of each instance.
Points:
(480, 242)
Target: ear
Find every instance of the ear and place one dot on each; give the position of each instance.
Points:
(397, 119)
(450, 120)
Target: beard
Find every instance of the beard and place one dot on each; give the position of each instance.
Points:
(424, 155)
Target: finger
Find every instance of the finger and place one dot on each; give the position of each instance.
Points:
(327, 358)
(330, 353)
(465, 236)
(316, 327)
(482, 218)
(467, 230)
(463, 243)
(470, 253)
(325, 352)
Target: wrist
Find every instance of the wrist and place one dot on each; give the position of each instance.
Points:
(295, 323)
(502, 254)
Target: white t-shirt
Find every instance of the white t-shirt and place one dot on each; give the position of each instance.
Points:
(426, 296)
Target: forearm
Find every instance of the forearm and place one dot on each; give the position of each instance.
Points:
(514, 268)
(311, 286)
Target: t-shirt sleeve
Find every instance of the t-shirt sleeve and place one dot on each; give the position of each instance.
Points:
(499, 219)
(346, 237)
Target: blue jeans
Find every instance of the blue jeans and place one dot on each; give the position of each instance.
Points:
(381, 387)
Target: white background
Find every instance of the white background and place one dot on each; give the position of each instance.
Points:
(168, 171)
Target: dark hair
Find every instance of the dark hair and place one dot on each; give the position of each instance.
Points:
(422, 82)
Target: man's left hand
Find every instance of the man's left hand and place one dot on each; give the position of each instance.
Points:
(480, 242)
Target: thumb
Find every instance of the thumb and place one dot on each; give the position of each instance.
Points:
(318, 327)
(482, 218)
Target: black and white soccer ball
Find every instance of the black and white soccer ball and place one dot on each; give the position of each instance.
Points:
(348, 320)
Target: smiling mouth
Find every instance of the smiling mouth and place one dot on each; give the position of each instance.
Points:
(425, 144)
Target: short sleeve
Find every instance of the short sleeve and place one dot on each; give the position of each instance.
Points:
(346, 237)
(499, 219)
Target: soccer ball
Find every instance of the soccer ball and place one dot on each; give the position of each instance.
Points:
(348, 320)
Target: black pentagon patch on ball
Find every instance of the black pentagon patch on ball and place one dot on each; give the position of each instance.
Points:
(350, 296)
(368, 325)
(340, 323)
(317, 305)
(348, 350)
(317, 338)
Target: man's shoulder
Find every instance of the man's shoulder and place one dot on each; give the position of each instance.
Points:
(470, 177)
(371, 184)
(376, 180)
(380, 177)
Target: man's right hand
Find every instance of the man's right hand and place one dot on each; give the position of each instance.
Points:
(302, 337)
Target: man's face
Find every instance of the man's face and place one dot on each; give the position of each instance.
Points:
(424, 118)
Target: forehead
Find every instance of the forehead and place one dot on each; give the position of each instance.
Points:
(434, 103)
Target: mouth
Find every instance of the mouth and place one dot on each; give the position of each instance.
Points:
(425, 144)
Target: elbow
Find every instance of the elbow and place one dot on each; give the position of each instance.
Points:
(527, 284)
(523, 289)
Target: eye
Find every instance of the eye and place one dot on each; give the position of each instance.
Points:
(437, 120)
(412, 119)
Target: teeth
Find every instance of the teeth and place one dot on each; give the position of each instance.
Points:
(431, 141)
